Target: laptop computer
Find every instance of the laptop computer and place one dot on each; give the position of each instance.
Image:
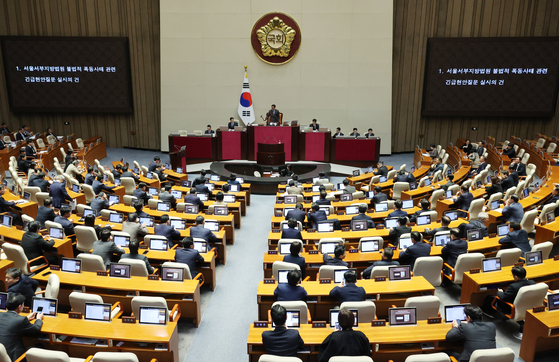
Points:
(170, 274)
(351, 210)
(325, 227)
(427, 182)
(340, 186)
(402, 316)
(153, 315)
(423, 220)
(407, 204)
(6, 220)
(495, 204)
(240, 179)
(3, 299)
(316, 188)
(282, 276)
(382, 179)
(334, 313)
(149, 175)
(158, 244)
(490, 264)
(381, 207)
(442, 239)
(328, 248)
(401, 272)
(474, 235)
(234, 188)
(178, 224)
(359, 225)
(201, 246)
(550, 217)
(315, 198)
(47, 306)
(221, 210)
(454, 312)
(176, 194)
(502, 229)
(368, 246)
(153, 191)
(391, 223)
(356, 173)
(56, 233)
(71, 265)
(405, 243)
(339, 274)
(148, 221)
(163, 206)
(97, 312)
(212, 225)
(214, 178)
(76, 188)
(552, 301)
(88, 212)
(326, 209)
(118, 270)
(186, 183)
(116, 217)
(533, 257)
(121, 240)
(452, 215)
(293, 319)
(179, 170)
(118, 182)
(191, 209)
(448, 194)
(369, 195)
(284, 249)
(115, 199)
(290, 199)
(346, 197)
(286, 226)
(228, 198)
(202, 196)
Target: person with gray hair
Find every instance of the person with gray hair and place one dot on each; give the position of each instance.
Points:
(483, 217)
(74, 171)
(58, 192)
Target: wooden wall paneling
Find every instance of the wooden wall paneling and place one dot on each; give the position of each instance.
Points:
(138, 20)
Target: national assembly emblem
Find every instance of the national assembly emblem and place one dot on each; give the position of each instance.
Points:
(276, 38)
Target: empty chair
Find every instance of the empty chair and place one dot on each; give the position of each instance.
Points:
(140, 301)
(379, 271)
(114, 357)
(32, 192)
(547, 208)
(358, 195)
(464, 263)
(152, 203)
(545, 247)
(509, 256)
(183, 132)
(525, 158)
(88, 191)
(26, 218)
(495, 197)
(520, 188)
(391, 174)
(398, 188)
(366, 310)
(129, 185)
(45, 355)
(53, 287)
(327, 271)
(437, 176)
(272, 358)
(16, 254)
(551, 148)
(521, 153)
(91, 263)
(129, 199)
(435, 196)
(540, 143)
(79, 143)
(430, 267)
(85, 237)
(144, 170)
(427, 306)
(299, 305)
(528, 219)
(430, 357)
(504, 354)
(283, 265)
(476, 206)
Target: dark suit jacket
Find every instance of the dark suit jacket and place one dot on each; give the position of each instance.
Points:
(141, 195)
(480, 151)
(367, 272)
(194, 200)
(116, 174)
(553, 200)
(209, 132)
(274, 115)
(453, 250)
(297, 214)
(299, 260)
(58, 194)
(189, 256)
(105, 249)
(514, 176)
(510, 294)
(432, 232)
(323, 202)
(152, 166)
(476, 224)
(463, 202)
(42, 184)
(520, 169)
(395, 233)
(337, 134)
(2, 144)
(13, 328)
(447, 185)
(511, 153)
(481, 167)
(282, 342)
(89, 178)
(43, 214)
(30, 151)
(5, 204)
(344, 343)
(291, 233)
(130, 174)
(328, 260)
(199, 231)
(232, 125)
(202, 189)
(370, 222)
(167, 231)
(315, 217)
(22, 164)
(34, 245)
(99, 186)
(349, 293)
(382, 171)
(26, 287)
(467, 148)
(139, 257)
(167, 197)
(518, 239)
(397, 213)
(67, 225)
(99, 204)
(287, 292)
(507, 183)
(378, 198)
(514, 212)
(315, 127)
(476, 335)
(20, 136)
(415, 251)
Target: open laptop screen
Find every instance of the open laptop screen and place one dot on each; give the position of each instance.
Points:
(234, 188)
(121, 240)
(76, 188)
(172, 274)
(229, 198)
(381, 207)
(454, 313)
(352, 210)
(442, 240)
(368, 246)
(148, 221)
(402, 316)
(56, 233)
(391, 223)
(153, 315)
(474, 235)
(212, 225)
(325, 208)
(423, 220)
(191, 209)
(46, 306)
(533, 258)
(359, 225)
(158, 244)
(503, 229)
(452, 215)
(71, 265)
(339, 274)
(284, 248)
(282, 276)
(7, 221)
(201, 246)
(115, 199)
(407, 204)
(325, 227)
(3, 298)
(116, 217)
(202, 196)
(290, 199)
(334, 318)
(120, 270)
(97, 312)
(221, 210)
(553, 301)
(405, 243)
(88, 212)
(179, 224)
(490, 264)
(399, 272)
(328, 248)
(293, 319)
(163, 206)
(176, 194)
(346, 197)
(153, 191)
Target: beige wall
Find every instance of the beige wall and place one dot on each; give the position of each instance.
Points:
(342, 74)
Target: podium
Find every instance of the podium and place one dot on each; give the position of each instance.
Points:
(177, 159)
(270, 154)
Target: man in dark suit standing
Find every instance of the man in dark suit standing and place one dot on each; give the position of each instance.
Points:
(513, 210)
(416, 250)
(463, 201)
(191, 198)
(382, 170)
(58, 192)
(349, 292)
(62, 219)
(507, 181)
(141, 193)
(34, 245)
(19, 283)
(45, 212)
(516, 238)
(291, 291)
(363, 216)
(15, 326)
(273, 115)
(291, 232)
(316, 215)
(281, 341)
(199, 231)
(232, 124)
(454, 248)
(475, 333)
(165, 229)
(188, 255)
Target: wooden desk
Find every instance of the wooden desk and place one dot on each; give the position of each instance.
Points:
(175, 176)
(421, 158)
(28, 208)
(63, 246)
(240, 196)
(185, 294)
(113, 332)
(357, 181)
(426, 191)
(384, 294)
(542, 334)
(244, 187)
(445, 204)
(389, 184)
(547, 232)
(387, 343)
(5, 265)
(456, 157)
(474, 285)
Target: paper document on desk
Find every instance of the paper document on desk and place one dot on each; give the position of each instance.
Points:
(425, 154)
(500, 211)
(42, 152)
(84, 340)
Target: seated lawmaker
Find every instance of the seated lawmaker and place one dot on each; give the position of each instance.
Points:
(167, 230)
(346, 342)
(379, 196)
(232, 124)
(369, 133)
(454, 248)
(166, 196)
(105, 247)
(209, 130)
(354, 133)
(295, 258)
(188, 255)
(293, 189)
(126, 173)
(156, 161)
(133, 254)
(138, 206)
(338, 133)
(494, 188)
(416, 250)
(34, 245)
(191, 198)
(449, 181)
(199, 231)
(338, 259)
(291, 290)
(348, 189)
(314, 125)
(387, 254)
(273, 114)
(467, 147)
(141, 194)
(63, 219)
(445, 226)
(132, 226)
(349, 292)
(463, 200)
(513, 210)
(425, 207)
(4, 129)
(91, 174)
(322, 199)
(233, 179)
(316, 215)
(509, 151)
(516, 238)
(398, 210)
(18, 282)
(298, 213)
(291, 232)
(45, 212)
(402, 228)
(282, 341)
(382, 170)
(363, 216)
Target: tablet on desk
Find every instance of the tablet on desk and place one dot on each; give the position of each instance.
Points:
(148, 221)
(202, 196)
(495, 204)
(221, 210)
(76, 188)
(346, 197)
(282, 276)
(153, 191)
(325, 208)
(228, 198)
(552, 301)
(391, 223)
(442, 239)
(172, 274)
(121, 240)
(179, 170)
(491, 264)
(234, 188)
(502, 229)
(118, 270)
(369, 195)
(3, 299)
(56, 233)
(405, 243)
(149, 175)
(210, 187)
(351, 210)
(241, 180)
(158, 244)
(201, 246)
(339, 274)
(163, 206)
(325, 227)
(7, 220)
(359, 225)
(71, 265)
(550, 217)
(176, 194)
(286, 226)
(88, 212)
(401, 272)
(212, 225)
(293, 319)
(402, 316)
(381, 207)
(116, 217)
(382, 179)
(290, 199)
(97, 312)
(427, 182)
(178, 224)
(286, 210)
(407, 204)
(47, 306)
(153, 315)
(474, 235)
(214, 177)
(368, 246)
(341, 186)
(533, 258)
(118, 182)
(423, 220)
(328, 248)
(186, 183)
(191, 209)
(452, 215)
(285, 248)
(449, 194)
(316, 188)
(454, 313)
(334, 313)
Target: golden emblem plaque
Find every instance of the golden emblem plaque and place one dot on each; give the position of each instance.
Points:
(276, 38)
